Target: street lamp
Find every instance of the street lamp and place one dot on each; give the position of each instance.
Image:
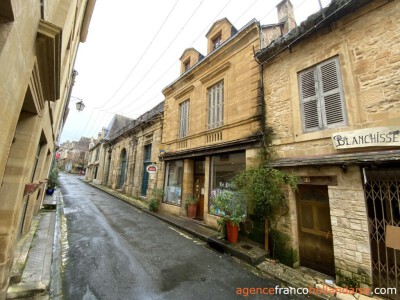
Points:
(79, 105)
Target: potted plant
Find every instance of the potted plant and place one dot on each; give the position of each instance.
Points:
(232, 210)
(156, 197)
(191, 206)
(52, 181)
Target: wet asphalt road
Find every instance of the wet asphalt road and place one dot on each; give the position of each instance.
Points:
(116, 251)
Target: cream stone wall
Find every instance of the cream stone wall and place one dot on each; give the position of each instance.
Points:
(240, 73)
(34, 86)
(366, 45)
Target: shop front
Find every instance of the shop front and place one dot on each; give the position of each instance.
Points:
(202, 176)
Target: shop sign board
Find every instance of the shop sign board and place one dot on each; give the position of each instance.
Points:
(367, 137)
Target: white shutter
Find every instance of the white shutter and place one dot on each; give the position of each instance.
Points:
(184, 119)
(331, 93)
(309, 101)
(216, 105)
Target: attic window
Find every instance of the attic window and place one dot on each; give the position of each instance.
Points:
(217, 41)
(186, 65)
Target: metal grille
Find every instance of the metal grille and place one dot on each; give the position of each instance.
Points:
(382, 193)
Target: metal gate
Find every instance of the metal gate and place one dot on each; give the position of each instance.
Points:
(382, 193)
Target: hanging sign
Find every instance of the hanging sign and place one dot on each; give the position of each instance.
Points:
(151, 169)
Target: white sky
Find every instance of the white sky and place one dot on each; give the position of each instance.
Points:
(133, 48)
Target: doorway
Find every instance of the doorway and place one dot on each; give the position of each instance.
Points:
(146, 162)
(198, 187)
(315, 231)
(123, 168)
(382, 194)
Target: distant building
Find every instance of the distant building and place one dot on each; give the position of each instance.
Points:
(38, 46)
(73, 156)
(124, 150)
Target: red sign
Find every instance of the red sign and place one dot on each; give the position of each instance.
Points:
(151, 169)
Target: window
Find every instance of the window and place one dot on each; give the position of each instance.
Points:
(223, 168)
(173, 182)
(217, 41)
(216, 105)
(321, 96)
(184, 119)
(97, 154)
(187, 65)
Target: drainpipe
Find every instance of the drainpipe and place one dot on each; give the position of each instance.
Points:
(261, 68)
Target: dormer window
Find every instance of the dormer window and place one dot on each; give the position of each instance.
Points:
(217, 41)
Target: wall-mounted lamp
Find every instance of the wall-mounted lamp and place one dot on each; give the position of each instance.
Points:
(79, 105)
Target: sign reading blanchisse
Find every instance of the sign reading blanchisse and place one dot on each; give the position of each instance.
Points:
(368, 137)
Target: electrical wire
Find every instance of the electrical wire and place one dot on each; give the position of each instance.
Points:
(141, 57)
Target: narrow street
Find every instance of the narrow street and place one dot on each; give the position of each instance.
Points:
(116, 251)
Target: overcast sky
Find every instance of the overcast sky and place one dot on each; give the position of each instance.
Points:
(133, 48)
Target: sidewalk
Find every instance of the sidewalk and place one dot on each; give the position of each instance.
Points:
(30, 275)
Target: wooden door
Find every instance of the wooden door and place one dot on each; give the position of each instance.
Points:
(198, 192)
(315, 231)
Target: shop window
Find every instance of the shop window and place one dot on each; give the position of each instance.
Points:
(173, 182)
(321, 96)
(223, 168)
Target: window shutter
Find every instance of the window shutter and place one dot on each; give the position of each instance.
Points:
(209, 108)
(309, 101)
(221, 104)
(332, 97)
(187, 118)
(216, 105)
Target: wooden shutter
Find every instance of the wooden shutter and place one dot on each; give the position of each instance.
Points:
(331, 93)
(184, 119)
(216, 105)
(309, 101)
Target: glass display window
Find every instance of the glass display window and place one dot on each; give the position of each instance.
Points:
(173, 182)
(224, 167)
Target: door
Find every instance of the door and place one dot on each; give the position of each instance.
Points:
(198, 192)
(123, 167)
(146, 163)
(315, 231)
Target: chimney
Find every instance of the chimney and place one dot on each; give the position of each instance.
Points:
(286, 16)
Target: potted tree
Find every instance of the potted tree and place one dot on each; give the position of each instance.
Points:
(232, 209)
(191, 206)
(52, 181)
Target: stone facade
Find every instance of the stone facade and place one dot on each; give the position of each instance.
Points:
(233, 64)
(120, 157)
(38, 45)
(364, 37)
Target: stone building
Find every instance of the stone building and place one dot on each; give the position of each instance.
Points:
(213, 115)
(332, 96)
(119, 159)
(73, 156)
(38, 45)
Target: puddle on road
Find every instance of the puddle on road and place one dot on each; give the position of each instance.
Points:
(69, 210)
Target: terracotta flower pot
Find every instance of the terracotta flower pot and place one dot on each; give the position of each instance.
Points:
(232, 232)
(192, 210)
